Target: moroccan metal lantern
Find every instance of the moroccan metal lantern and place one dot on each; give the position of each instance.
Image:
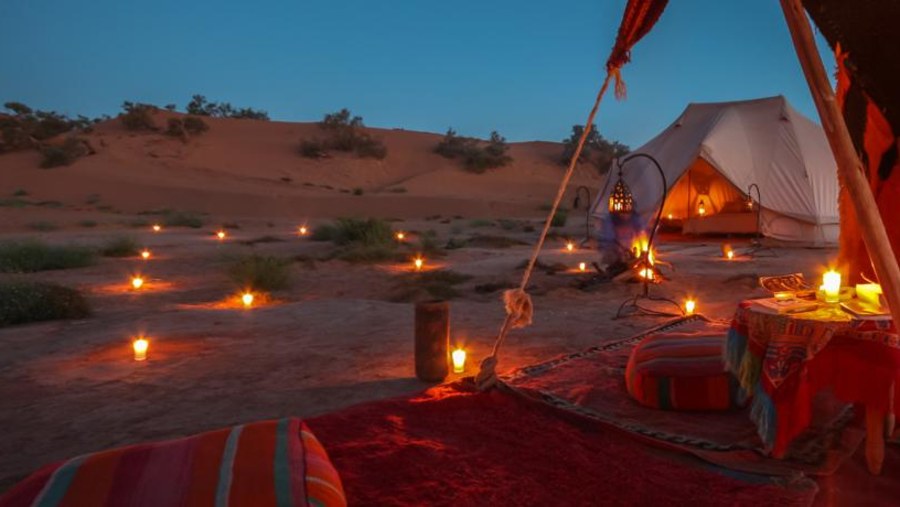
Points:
(621, 200)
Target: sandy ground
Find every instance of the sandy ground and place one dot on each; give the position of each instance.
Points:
(335, 338)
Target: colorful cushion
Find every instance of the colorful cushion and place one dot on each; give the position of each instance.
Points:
(682, 371)
(264, 463)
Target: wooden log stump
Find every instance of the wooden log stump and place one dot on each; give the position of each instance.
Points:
(432, 340)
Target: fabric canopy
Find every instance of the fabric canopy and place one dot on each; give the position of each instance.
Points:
(712, 154)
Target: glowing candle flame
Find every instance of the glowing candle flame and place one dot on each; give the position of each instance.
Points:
(137, 282)
(582, 267)
(646, 273)
(220, 235)
(247, 299)
(570, 246)
(157, 227)
(140, 347)
(418, 263)
(459, 360)
(400, 236)
(701, 209)
(303, 230)
(145, 254)
(669, 216)
(689, 306)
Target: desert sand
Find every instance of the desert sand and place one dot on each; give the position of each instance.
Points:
(339, 335)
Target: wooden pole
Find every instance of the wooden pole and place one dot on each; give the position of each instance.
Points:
(432, 340)
(851, 175)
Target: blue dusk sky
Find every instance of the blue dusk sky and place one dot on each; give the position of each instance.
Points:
(527, 68)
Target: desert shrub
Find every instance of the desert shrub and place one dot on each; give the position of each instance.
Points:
(194, 125)
(87, 223)
(560, 218)
(344, 231)
(25, 128)
(597, 150)
(343, 132)
(43, 226)
(181, 219)
(13, 202)
(137, 116)
(491, 241)
(313, 148)
(20, 192)
(32, 256)
(200, 106)
(481, 222)
(439, 284)
(429, 244)
(476, 156)
(170, 107)
(122, 246)
(22, 302)
(70, 150)
(358, 191)
(182, 128)
(369, 240)
(260, 272)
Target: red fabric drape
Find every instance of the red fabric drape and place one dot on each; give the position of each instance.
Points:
(877, 144)
(639, 18)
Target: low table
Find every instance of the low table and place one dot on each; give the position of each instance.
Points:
(785, 360)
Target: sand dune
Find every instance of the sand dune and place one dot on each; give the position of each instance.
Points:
(252, 168)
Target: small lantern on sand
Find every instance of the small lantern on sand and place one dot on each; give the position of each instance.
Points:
(220, 235)
(418, 263)
(157, 227)
(247, 299)
(582, 267)
(400, 236)
(137, 282)
(140, 346)
(303, 231)
(145, 254)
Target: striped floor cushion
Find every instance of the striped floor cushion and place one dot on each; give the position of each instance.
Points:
(268, 463)
(682, 371)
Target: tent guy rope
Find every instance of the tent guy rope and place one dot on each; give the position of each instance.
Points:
(638, 19)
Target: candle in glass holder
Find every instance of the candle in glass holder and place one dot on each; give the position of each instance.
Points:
(582, 267)
(400, 236)
(140, 347)
(220, 235)
(303, 230)
(247, 299)
(459, 360)
(137, 282)
(157, 227)
(145, 254)
(831, 286)
(418, 263)
(570, 246)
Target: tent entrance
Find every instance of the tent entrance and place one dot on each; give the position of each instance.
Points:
(703, 201)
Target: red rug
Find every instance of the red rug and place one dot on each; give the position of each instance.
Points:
(449, 447)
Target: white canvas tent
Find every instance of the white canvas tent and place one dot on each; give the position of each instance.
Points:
(712, 154)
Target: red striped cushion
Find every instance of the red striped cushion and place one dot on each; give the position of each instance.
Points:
(267, 463)
(682, 371)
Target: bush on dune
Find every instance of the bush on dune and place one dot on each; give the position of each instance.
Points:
(31, 256)
(200, 106)
(22, 302)
(183, 128)
(25, 128)
(137, 116)
(343, 132)
(65, 153)
(476, 156)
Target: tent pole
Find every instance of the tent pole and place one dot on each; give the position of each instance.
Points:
(851, 176)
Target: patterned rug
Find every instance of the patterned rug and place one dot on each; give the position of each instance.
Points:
(591, 385)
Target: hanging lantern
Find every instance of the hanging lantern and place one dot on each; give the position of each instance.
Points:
(621, 201)
(701, 208)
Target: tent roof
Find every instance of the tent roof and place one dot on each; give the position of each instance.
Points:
(763, 141)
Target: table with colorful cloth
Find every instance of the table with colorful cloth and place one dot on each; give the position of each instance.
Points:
(784, 360)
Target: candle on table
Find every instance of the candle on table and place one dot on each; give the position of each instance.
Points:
(689, 306)
(831, 286)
